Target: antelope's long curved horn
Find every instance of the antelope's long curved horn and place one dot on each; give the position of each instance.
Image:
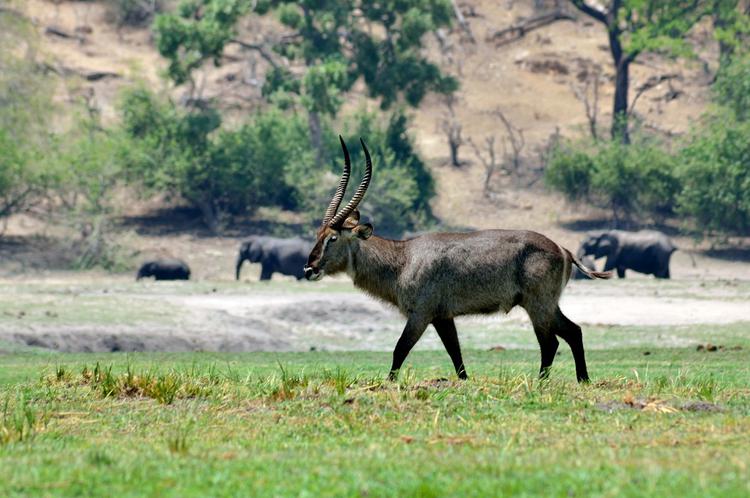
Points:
(343, 182)
(359, 194)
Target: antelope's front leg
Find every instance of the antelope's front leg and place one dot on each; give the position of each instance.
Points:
(415, 327)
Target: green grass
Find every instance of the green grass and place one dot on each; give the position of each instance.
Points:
(674, 422)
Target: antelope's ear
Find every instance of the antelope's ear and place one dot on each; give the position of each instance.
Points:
(363, 231)
(352, 220)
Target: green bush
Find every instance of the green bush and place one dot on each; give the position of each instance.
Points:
(570, 171)
(402, 187)
(631, 179)
(266, 162)
(715, 173)
(134, 12)
(25, 110)
(732, 87)
(222, 172)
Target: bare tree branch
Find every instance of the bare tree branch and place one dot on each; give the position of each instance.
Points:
(463, 22)
(591, 103)
(258, 48)
(519, 30)
(650, 83)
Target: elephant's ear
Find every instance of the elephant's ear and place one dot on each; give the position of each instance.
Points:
(605, 243)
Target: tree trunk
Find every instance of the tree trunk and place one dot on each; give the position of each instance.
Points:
(620, 107)
(316, 137)
(210, 215)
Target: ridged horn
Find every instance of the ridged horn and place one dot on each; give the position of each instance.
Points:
(359, 194)
(341, 189)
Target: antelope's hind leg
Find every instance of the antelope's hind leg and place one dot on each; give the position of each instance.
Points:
(446, 329)
(415, 327)
(544, 325)
(571, 333)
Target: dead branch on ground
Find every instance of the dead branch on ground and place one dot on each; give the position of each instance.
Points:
(519, 29)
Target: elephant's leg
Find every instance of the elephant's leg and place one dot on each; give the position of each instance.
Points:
(609, 265)
(238, 266)
(266, 271)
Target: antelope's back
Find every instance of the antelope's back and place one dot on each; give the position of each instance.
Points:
(479, 272)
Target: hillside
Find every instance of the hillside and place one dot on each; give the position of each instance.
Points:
(531, 81)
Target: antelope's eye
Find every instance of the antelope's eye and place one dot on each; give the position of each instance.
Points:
(333, 238)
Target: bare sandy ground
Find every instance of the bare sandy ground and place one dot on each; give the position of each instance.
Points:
(291, 316)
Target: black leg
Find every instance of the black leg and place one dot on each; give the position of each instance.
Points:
(409, 337)
(548, 345)
(571, 333)
(620, 272)
(265, 272)
(240, 260)
(446, 329)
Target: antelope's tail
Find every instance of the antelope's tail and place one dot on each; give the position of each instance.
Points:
(592, 274)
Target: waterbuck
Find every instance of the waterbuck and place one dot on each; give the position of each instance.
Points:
(436, 277)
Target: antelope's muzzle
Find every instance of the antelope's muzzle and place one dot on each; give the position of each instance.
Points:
(312, 274)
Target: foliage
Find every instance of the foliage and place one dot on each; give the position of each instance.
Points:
(26, 108)
(333, 40)
(197, 32)
(731, 27)
(732, 86)
(398, 198)
(637, 26)
(630, 179)
(134, 12)
(222, 172)
(716, 177)
(658, 25)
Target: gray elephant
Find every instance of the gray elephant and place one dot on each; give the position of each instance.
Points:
(589, 263)
(164, 269)
(276, 255)
(645, 251)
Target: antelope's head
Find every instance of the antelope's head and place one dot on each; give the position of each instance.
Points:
(340, 232)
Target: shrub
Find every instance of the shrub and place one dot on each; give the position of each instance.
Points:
(629, 179)
(715, 173)
(134, 12)
(402, 187)
(732, 87)
(570, 171)
(222, 172)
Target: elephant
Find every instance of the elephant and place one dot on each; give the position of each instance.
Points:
(645, 251)
(276, 255)
(164, 269)
(589, 263)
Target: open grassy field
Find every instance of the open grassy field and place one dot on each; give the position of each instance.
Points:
(661, 417)
(673, 422)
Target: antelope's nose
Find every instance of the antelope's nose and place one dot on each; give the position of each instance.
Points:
(309, 272)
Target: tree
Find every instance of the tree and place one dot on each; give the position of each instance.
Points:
(731, 20)
(732, 86)
(715, 175)
(25, 100)
(330, 44)
(637, 26)
(627, 179)
(222, 172)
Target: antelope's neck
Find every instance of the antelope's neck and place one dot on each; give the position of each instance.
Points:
(376, 265)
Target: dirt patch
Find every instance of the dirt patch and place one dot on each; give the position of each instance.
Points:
(101, 314)
(656, 406)
(77, 339)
